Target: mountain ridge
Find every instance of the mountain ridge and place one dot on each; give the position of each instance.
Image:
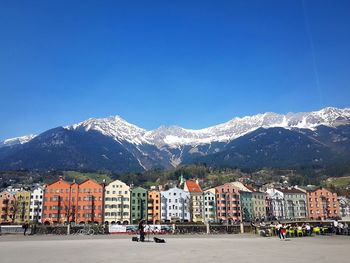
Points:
(174, 136)
(114, 144)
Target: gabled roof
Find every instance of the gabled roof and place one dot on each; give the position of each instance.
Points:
(319, 189)
(192, 187)
(241, 186)
(89, 180)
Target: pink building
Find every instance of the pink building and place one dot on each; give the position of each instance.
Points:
(227, 203)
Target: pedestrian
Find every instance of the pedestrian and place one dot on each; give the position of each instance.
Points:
(283, 232)
(308, 229)
(335, 226)
(141, 229)
(25, 226)
(278, 228)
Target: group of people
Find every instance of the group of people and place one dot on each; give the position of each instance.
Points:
(282, 230)
(304, 229)
(340, 228)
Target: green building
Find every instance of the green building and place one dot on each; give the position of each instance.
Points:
(138, 205)
(295, 203)
(246, 205)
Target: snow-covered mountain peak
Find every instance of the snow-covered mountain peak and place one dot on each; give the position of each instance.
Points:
(17, 140)
(115, 127)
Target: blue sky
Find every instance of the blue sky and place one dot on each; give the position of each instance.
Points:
(189, 63)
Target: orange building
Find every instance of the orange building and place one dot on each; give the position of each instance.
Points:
(90, 202)
(154, 207)
(7, 207)
(322, 204)
(71, 202)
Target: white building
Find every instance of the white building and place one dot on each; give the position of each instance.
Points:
(275, 204)
(36, 204)
(175, 205)
(209, 206)
(344, 207)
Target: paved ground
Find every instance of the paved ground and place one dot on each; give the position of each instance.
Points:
(179, 249)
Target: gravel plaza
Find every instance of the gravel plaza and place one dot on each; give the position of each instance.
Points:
(196, 248)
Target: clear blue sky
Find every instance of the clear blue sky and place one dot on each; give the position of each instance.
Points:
(189, 63)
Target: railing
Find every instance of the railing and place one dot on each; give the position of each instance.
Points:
(11, 229)
(177, 229)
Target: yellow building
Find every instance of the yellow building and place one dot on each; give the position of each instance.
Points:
(22, 206)
(117, 203)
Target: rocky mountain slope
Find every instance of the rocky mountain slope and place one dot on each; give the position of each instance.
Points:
(112, 143)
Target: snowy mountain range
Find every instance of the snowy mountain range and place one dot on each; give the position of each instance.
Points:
(115, 139)
(175, 136)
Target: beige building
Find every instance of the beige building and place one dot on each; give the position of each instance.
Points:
(259, 204)
(117, 203)
(22, 206)
(196, 202)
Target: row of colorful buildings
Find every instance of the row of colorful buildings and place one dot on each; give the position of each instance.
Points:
(118, 203)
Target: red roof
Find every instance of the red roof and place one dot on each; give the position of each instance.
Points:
(193, 187)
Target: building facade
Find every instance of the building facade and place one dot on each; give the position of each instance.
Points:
(117, 203)
(295, 203)
(246, 205)
(258, 205)
(59, 198)
(154, 205)
(22, 206)
(322, 204)
(175, 205)
(228, 203)
(36, 204)
(196, 200)
(90, 202)
(275, 205)
(209, 206)
(344, 207)
(139, 205)
(75, 203)
(7, 207)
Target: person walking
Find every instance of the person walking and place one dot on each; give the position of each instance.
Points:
(335, 226)
(278, 228)
(283, 232)
(25, 226)
(141, 229)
